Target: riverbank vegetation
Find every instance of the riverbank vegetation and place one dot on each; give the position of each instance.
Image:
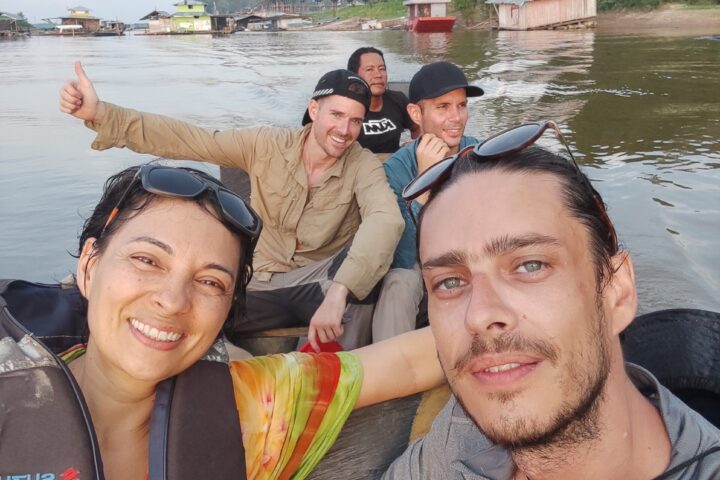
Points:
(470, 12)
(476, 14)
(605, 5)
(379, 10)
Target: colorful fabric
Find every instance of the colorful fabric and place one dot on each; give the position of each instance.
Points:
(292, 408)
(73, 353)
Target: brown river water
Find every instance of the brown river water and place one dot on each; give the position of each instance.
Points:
(642, 113)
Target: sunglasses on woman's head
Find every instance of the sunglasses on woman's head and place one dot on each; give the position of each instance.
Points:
(504, 144)
(181, 183)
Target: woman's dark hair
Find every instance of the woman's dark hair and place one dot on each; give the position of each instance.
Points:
(137, 200)
(581, 199)
(354, 60)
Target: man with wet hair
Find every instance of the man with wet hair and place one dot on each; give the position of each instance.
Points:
(438, 104)
(331, 222)
(528, 293)
(387, 116)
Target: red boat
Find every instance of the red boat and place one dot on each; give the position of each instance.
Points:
(428, 16)
(432, 24)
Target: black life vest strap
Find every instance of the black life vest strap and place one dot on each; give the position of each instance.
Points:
(159, 430)
(203, 437)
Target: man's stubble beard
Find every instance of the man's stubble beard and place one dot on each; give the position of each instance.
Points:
(577, 420)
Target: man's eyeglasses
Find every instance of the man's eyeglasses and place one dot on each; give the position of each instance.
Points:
(182, 183)
(504, 144)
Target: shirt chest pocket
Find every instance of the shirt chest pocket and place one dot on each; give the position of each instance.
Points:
(329, 216)
(329, 201)
(278, 195)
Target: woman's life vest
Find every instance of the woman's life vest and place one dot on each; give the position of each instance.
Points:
(46, 432)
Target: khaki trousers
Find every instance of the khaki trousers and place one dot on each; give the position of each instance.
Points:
(290, 300)
(397, 308)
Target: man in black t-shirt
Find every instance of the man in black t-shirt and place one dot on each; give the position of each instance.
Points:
(388, 115)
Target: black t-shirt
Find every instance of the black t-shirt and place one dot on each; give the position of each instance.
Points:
(381, 130)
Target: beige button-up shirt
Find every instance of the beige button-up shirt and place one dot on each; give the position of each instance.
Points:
(352, 203)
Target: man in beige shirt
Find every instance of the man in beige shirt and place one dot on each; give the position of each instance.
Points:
(331, 222)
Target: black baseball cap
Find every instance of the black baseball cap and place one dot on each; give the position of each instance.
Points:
(439, 78)
(343, 83)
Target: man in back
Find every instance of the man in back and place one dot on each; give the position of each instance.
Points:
(527, 299)
(438, 104)
(330, 220)
(387, 116)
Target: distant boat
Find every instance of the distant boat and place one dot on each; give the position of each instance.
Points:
(110, 28)
(425, 16)
(433, 24)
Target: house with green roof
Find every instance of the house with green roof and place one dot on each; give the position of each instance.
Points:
(191, 17)
(12, 25)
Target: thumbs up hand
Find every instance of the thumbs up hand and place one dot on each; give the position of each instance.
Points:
(79, 99)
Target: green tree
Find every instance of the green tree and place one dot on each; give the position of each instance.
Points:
(466, 9)
(22, 21)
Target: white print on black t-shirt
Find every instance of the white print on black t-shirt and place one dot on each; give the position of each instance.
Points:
(378, 127)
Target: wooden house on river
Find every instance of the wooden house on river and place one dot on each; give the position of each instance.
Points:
(11, 26)
(78, 22)
(158, 22)
(544, 14)
(191, 17)
(81, 23)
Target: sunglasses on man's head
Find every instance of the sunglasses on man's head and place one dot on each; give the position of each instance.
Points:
(503, 144)
(181, 183)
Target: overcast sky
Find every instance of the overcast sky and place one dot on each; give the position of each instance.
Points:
(128, 11)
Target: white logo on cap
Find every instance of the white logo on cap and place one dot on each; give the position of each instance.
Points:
(322, 93)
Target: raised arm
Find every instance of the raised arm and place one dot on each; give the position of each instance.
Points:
(398, 367)
(155, 134)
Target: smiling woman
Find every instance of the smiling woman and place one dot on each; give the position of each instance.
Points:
(142, 379)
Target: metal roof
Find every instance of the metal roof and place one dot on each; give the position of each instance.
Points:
(84, 17)
(11, 16)
(284, 15)
(156, 13)
(248, 17)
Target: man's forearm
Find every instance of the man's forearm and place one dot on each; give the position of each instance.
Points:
(337, 292)
(371, 253)
(165, 137)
